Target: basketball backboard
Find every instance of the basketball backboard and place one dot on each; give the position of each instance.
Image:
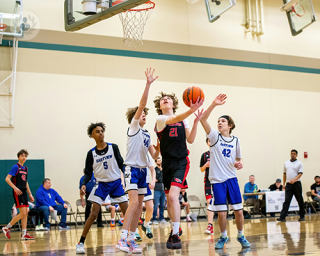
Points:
(300, 14)
(11, 14)
(215, 8)
(83, 13)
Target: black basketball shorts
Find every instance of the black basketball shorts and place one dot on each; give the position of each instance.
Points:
(175, 172)
(21, 200)
(208, 190)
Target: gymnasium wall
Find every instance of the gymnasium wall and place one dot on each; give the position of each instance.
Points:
(67, 80)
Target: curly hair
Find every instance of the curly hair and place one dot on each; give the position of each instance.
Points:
(23, 151)
(132, 111)
(158, 98)
(94, 125)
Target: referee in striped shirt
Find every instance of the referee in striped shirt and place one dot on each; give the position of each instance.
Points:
(293, 170)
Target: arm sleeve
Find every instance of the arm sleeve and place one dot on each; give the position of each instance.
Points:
(185, 198)
(161, 122)
(58, 198)
(238, 150)
(300, 168)
(134, 127)
(213, 136)
(186, 124)
(118, 156)
(41, 199)
(14, 170)
(89, 169)
(202, 160)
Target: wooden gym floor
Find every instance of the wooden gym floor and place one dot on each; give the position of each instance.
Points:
(267, 237)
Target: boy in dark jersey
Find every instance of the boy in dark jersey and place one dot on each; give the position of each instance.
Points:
(173, 132)
(19, 183)
(204, 167)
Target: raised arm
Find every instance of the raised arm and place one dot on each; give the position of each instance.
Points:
(185, 115)
(144, 98)
(191, 135)
(219, 100)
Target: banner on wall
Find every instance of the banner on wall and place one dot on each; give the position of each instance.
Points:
(275, 199)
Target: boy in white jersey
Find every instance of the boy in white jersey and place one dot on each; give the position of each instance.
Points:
(225, 159)
(135, 169)
(174, 132)
(106, 162)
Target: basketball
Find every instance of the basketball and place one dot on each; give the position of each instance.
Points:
(192, 93)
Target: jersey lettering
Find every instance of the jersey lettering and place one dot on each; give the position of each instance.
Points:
(105, 165)
(103, 158)
(173, 132)
(226, 152)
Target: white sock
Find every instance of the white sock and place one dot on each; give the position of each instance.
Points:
(9, 226)
(112, 219)
(124, 234)
(131, 235)
(24, 231)
(188, 215)
(224, 233)
(240, 233)
(146, 224)
(137, 231)
(175, 228)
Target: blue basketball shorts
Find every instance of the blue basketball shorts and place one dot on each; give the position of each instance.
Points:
(101, 190)
(136, 179)
(148, 196)
(226, 192)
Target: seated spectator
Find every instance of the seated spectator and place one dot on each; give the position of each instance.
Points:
(315, 190)
(46, 202)
(276, 187)
(251, 187)
(112, 209)
(32, 211)
(185, 204)
(87, 203)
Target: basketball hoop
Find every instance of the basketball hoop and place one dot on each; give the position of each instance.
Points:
(298, 9)
(2, 29)
(133, 22)
(192, 1)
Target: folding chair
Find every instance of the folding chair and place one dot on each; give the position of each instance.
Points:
(80, 213)
(310, 202)
(71, 212)
(192, 199)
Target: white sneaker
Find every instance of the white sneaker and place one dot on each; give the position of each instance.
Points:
(155, 223)
(80, 248)
(38, 228)
(46, 229)
(163, 221)
(64, 227)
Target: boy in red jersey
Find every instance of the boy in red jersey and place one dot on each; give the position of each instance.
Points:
(20, 186)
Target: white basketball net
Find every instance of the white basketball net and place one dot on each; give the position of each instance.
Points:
(133, 22)
(192, 1)
(2, 29)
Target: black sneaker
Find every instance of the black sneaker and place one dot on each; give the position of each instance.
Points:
(100, 225)
(280, 219)
(302, 219)
(176, 242)
(169, 242)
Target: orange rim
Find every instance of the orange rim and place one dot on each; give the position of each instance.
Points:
(294, 10)
(137, 10)
(3, 26)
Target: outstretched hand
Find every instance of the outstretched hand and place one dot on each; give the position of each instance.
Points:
(196, 105)
(220, 99)
(238, 165)
(149, 75)
(199, 115)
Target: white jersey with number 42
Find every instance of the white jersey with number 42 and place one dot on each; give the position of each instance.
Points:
(223, 154)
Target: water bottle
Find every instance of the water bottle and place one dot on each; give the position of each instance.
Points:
(309, 210)
(255, 189)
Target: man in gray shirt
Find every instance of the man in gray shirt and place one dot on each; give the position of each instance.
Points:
(293, 170)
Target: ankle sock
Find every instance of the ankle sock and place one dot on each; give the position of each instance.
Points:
(9, 226)
(24, 231)
(175, 228)
(131, 235)
(82, 239)
(224, 233)
(124, 233)
(146, 224)
(240, 233)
